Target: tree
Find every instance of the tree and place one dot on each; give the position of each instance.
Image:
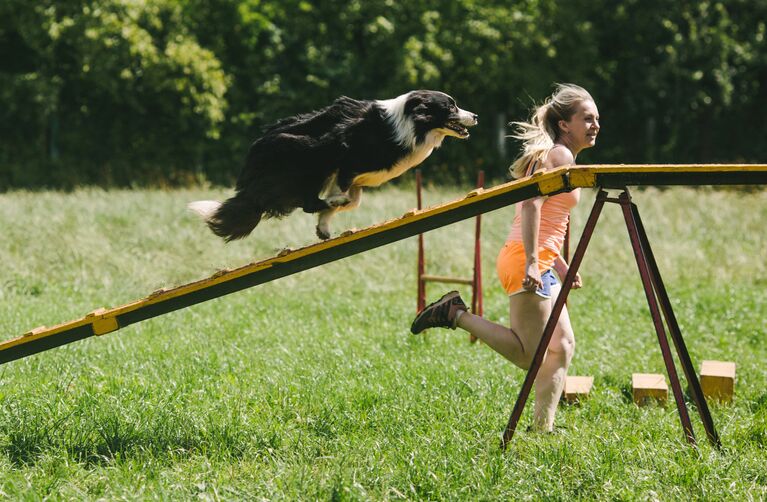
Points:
(164, 91)
(119, 91)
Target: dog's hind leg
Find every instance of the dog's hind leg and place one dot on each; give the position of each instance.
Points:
(323, 223)
(315, 205)
(337, 196)
(333, 194)
(355, 196)
(338, 200)
(330, 196)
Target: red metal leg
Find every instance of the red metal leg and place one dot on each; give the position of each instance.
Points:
(421, 300)
(548, 331)
(676, 334)
(647, 283)
(476, 285)
(476, 282)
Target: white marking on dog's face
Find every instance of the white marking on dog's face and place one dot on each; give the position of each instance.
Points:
(413, 114)
(467, 118)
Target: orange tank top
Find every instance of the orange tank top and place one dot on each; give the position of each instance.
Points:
(555, 214)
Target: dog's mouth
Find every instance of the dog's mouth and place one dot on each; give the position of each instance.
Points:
(455, 126)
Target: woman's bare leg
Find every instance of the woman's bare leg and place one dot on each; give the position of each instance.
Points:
(528, 314)
(550, 380)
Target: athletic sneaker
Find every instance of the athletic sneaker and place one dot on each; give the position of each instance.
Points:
(440, 314)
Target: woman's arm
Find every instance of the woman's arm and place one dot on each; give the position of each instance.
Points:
(560, 155)
(531, 222)
(561, 267)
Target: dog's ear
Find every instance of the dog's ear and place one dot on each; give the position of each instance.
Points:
(421, 112)
(415, 105)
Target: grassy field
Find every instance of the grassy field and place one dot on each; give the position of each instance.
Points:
(312, 387)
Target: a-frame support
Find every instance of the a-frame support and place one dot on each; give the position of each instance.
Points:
(657, 300)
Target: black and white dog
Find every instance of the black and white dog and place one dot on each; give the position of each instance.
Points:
(319, 161)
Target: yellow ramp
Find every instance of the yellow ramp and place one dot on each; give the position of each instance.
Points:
(102, 321)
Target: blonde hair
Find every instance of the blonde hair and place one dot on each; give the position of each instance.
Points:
(538, 135)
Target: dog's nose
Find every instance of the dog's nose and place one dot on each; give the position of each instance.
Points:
(476, 118)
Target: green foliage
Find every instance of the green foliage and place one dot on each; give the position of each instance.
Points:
(116, 92)
(685, 76)
(119, 90)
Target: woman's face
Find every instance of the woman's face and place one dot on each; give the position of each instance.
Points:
(583, 126)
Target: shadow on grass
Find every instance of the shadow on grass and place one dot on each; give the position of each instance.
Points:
(758, 404)
(112, 438)
(623, 387)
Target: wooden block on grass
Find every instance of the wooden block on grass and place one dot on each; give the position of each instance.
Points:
(717, 380)
(647, 387)
(577, 388)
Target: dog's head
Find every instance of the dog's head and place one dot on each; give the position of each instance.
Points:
(436, 111)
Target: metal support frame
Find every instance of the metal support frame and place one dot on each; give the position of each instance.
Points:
(475, 282)
(655, 293)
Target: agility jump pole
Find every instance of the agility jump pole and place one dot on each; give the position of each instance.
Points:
(102, 321)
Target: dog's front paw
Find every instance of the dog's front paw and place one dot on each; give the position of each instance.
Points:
(338, 200)
(323, 232)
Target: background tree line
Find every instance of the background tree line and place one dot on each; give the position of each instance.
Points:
(147, 92)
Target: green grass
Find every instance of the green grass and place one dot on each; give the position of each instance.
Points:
(312, 387)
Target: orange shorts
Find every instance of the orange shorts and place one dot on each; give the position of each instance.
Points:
(510, 265)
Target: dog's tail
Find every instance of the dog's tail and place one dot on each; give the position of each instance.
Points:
(232, 219)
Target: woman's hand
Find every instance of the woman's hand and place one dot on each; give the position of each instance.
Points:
(532, 280)
(561, 267)
(577, 282)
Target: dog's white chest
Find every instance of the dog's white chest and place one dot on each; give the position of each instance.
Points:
(376, 178)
